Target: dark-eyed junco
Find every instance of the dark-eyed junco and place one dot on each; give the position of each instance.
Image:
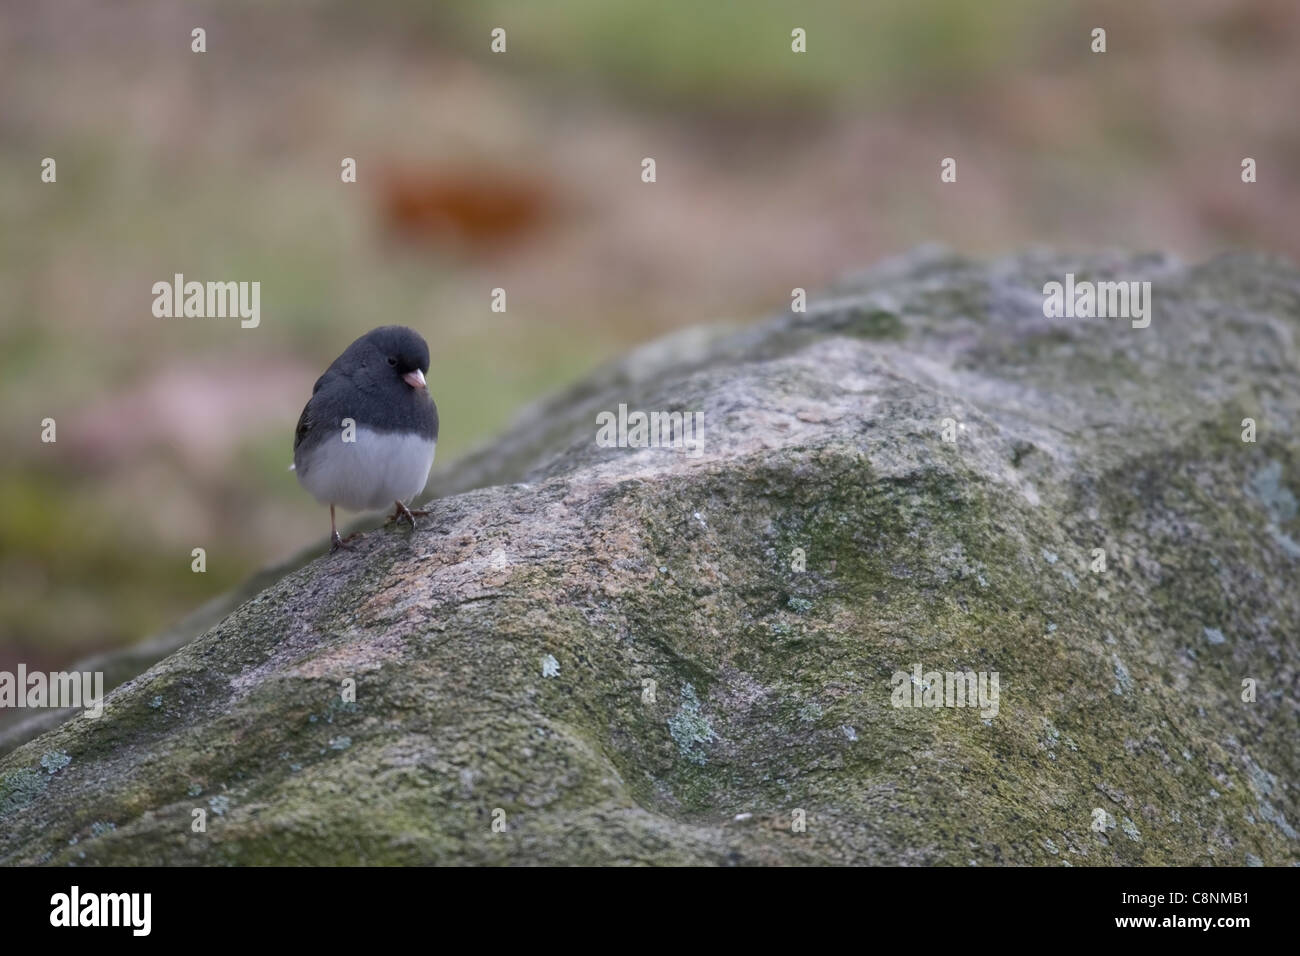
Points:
(368, 433)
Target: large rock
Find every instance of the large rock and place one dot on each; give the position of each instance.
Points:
(621, 661)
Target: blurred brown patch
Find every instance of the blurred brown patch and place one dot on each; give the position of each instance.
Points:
(478, 210)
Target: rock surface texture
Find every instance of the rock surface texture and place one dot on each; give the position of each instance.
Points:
(643, 656)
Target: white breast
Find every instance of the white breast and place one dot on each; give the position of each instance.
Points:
(372, 472)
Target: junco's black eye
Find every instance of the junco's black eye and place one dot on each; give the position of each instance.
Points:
(392, 362)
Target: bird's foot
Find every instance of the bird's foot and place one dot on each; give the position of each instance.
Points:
(337, 542)
(402, 513)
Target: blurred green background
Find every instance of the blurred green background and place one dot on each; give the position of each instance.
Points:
(522, 171)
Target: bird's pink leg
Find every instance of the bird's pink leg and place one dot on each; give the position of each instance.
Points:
(403, 513)
(335, 541)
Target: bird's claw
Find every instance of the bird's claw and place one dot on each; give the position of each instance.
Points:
(402, 513)
(337, 542)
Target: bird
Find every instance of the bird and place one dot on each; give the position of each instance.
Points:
(368, 434)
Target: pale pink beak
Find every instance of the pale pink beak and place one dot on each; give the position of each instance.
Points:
(414, 379)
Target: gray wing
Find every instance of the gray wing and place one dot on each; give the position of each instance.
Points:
(309, 419)
(305, 425)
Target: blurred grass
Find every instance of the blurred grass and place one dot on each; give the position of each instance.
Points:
(735, 54)
(78, 579)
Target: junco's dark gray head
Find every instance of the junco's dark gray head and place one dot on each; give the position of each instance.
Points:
(398, 348)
